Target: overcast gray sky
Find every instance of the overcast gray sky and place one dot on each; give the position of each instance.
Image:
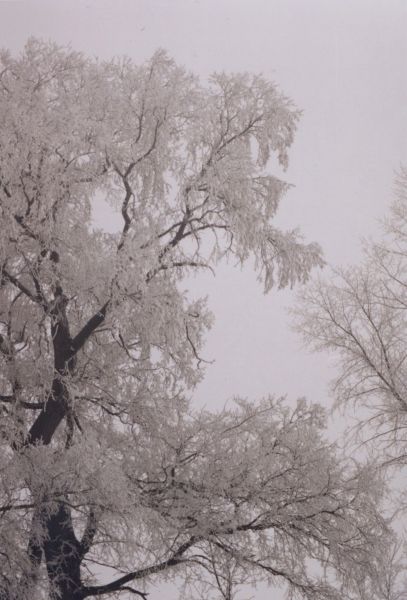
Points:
(344, 63)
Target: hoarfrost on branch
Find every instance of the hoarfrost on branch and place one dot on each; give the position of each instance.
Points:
(103, 462)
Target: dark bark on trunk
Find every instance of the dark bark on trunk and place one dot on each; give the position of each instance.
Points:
(65, 350)
(63, 556)
(62, 551)
(51, 416)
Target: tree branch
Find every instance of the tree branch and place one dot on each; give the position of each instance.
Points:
(127, 588)
(89, 533)
(31, 405)
(87, 330)
(117, 585)
(8, 507)
(38, 299)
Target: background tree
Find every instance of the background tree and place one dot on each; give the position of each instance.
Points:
(360, 315)
(390, 582)
(103, 462)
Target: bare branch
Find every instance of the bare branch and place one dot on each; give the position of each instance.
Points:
(116, 585)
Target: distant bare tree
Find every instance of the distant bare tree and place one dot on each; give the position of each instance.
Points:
(360, 315)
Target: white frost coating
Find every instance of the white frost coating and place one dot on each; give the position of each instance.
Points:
(360, 315)
(103, 461)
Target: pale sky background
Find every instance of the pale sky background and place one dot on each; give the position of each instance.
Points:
(344, 64)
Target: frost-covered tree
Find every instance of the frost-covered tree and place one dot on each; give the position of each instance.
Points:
(390, 582)
(360, 315)
(108, 477)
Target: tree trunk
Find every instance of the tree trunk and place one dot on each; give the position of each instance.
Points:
(62, 551)
(63, 555)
